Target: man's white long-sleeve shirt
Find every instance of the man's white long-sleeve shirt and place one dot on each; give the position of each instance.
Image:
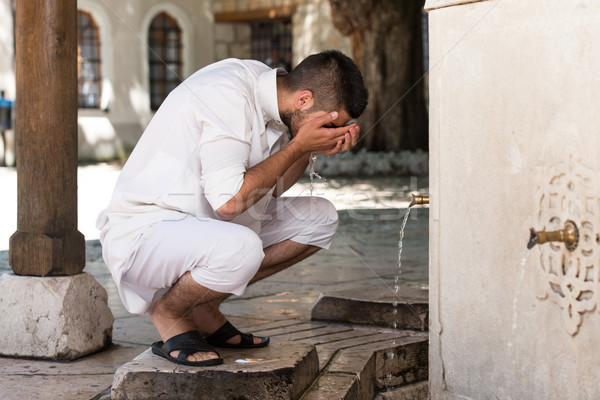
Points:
(193, 155)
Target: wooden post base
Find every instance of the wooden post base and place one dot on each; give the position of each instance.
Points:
(39, 254)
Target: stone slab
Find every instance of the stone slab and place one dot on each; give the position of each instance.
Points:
(104, 362)
(55, 380)
(388, 363)
(342, 338)
(416, 391)
(284, 331)
(355, 370)
(356, 362)
(372, 306)
(324, 331)
(135, 329)
(328, 345)
(273, 324)
(243, 322)
(333, 386)
(326, 349)
(405, 361)
(279, 371)
(379, 338)
(58, 318)
(295, 305)
(53, 388)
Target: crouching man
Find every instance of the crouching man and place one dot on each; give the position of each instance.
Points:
(196, 213)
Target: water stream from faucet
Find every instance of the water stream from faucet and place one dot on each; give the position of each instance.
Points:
(311, 173)
(397, 277)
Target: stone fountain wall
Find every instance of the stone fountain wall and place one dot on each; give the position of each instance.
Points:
(514, 144)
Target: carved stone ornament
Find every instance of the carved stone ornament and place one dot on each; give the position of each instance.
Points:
(571, 279)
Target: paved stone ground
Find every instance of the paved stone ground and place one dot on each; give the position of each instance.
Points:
(364, 256)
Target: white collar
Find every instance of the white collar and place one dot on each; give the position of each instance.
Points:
(267, 93)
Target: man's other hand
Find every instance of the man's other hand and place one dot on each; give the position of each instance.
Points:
(328, 134)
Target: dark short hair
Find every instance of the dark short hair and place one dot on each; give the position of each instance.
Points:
(334, 81)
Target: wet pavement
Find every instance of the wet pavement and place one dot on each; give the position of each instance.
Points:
(363, 259)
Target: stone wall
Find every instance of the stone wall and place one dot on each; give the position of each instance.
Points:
(313, 31)
(232, 40)
(312, 28)
(111, 131)
(221, 6)
(513, 145)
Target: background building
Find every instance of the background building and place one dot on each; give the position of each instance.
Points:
(131, 54)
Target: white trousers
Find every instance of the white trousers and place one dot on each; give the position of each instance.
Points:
(222, 256)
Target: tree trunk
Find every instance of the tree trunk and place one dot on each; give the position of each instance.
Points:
(387, 46)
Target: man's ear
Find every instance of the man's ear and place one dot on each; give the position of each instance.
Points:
(304, 100)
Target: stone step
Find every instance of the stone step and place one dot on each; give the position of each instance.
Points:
(308, 359)
(372, 306)
(362, 371)
(279, 371)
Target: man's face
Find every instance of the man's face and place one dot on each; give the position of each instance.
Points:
(296, 119)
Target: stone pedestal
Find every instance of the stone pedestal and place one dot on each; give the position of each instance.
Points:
(59, 318)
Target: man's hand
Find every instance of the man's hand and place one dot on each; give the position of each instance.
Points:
(350, 139)
(317, 135)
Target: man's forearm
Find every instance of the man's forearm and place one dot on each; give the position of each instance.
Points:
(259, 180)
(311, 136)
(292, 175)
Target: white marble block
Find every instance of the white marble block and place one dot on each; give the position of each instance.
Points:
(59, 318)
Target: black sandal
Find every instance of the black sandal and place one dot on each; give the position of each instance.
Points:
(227, 331)
(188, 343)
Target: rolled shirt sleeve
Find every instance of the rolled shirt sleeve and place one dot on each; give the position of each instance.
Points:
(224, 163)
(225, 145)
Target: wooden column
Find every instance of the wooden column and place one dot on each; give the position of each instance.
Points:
(47, 241)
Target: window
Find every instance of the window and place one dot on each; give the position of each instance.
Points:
(88, 61)
(164, 41)
(272, 43)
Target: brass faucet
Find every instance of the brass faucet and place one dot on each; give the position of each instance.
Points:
(418, 199)
(569, 235)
